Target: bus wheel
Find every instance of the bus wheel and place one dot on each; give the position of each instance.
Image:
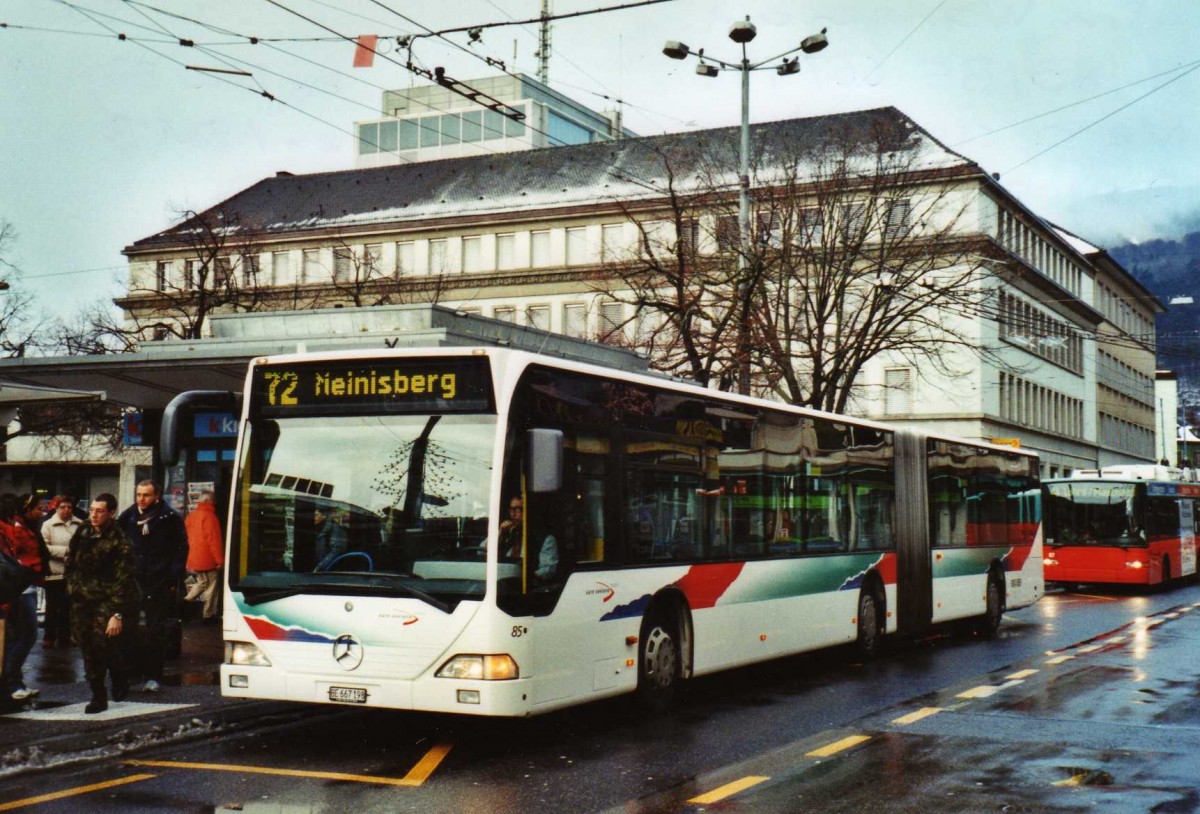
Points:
(870, 633)
(659, 667)
(988, 625)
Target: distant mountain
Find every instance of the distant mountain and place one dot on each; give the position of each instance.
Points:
(1171, 270)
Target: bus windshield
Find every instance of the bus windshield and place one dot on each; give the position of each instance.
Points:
(371, 504)
(1092, 513)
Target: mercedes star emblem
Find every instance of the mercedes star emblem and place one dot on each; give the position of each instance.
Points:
(347, 652)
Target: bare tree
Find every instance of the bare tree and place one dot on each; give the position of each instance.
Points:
(858, 251)
(862, 252)
(682, 296)
(220, 273)
(21, 328)
(360, 278)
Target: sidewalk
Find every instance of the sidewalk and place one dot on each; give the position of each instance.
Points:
(52, 728)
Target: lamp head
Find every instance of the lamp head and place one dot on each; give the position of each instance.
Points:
(676, 50)
(743, 31)
(815, 42)
(788, 67)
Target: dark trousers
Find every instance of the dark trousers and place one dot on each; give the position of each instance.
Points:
(58, 612)
(101, 654)
(152, 643)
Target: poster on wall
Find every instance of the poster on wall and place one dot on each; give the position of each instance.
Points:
(195, 488)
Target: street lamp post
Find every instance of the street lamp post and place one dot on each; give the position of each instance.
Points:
(743, 32)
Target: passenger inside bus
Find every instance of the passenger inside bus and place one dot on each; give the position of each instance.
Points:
(331, 541)
(543, 541)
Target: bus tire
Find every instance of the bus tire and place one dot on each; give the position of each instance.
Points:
(869, 642)
(988, 625)
(659, 663)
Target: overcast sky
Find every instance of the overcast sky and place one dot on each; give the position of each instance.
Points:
(104, 141)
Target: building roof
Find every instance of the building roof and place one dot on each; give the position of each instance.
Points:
(620, 171)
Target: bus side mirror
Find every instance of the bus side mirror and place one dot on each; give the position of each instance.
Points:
(545, 460)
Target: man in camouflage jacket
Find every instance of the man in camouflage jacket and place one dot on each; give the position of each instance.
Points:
(100, 583)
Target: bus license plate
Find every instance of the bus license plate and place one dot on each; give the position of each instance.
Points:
(353, 695)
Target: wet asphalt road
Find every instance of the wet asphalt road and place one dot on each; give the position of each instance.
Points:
(1087, 702)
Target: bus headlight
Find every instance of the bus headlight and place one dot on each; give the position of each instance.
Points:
(245, 654)
(480, 667)
(1135, 565)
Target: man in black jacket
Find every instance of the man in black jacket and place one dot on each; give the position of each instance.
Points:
(160, 552)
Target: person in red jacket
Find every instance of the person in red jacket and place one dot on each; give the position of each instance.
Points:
(18, 517)
(206, 553)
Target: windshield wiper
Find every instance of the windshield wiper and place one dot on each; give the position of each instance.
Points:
(252, 595)
(415, 593)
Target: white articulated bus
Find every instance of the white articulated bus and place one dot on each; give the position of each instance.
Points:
(669, 531)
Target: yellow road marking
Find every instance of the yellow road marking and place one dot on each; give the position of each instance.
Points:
(418, 775)
(729, 789)
(1073, 780)
(1091, 648)
(1059, 659)
(1018, 676)
(425, 766)
(913, 717)
(979, 692)
(1114, 640)
(59, 795)
(838, 746)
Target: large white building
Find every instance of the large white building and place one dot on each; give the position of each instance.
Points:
(527, 237)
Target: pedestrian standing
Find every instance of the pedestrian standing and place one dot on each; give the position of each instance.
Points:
(57, 531)
(102, 588)
(206, 553)
(160, 553)
(20, 617)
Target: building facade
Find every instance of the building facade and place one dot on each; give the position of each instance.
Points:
(1055, 356)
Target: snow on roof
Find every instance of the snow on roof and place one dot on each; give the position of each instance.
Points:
(1076, 242)
(615, 171)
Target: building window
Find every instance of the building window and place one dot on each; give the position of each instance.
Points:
(472, 254)
(191, 273)
(689, 236)
(811, 228)
(387, 136)
(281, 268)
(577, 247)
(161, 269)
(506, 251)
(451, 128)
(612, 320)
(612, 242)
(898, 211)
(250, 269)
(897, 385)
(408, 134)
(406, 257)
(343, 264)
(439, 256)
(514, 128)
(575, 320)
(472, 125)
(372, 258)
(505, 313)
(726, 232)
(312, 268)
(539, 249)
(224, 272)
(429, 131)
(538, 316)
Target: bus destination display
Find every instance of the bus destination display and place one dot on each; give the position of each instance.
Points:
(436, 384)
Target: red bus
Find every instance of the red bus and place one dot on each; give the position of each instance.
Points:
(1122, 525)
